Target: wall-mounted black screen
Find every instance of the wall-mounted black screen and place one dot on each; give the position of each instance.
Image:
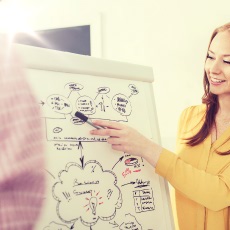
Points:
(71, 39)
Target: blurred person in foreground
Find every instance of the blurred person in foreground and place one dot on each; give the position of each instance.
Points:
(200, 171)
(22, 183)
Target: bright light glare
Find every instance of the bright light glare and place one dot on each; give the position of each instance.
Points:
(13, 19)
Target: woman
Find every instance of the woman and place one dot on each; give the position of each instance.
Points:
(200, 173)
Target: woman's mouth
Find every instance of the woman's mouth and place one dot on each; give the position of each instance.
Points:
(216, 81)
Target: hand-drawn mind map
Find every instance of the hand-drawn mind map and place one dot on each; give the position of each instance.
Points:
(88, 186)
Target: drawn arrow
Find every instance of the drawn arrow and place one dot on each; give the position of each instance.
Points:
(115, 225)
(120, 159)
(82, 157)
(132, 182)
(42, 103)
(103, 103)
(50, 173)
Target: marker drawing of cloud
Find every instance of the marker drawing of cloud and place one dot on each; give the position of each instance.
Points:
(87, 193)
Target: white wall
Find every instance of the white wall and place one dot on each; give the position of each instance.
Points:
(171, 36)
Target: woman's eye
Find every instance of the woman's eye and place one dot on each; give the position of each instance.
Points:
(227, 62)
(210, 57)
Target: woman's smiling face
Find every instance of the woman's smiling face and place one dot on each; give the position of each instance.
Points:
(217, 64)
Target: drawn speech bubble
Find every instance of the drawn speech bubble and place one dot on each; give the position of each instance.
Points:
(130, 223)
(59, 104)
(103, 90)
(122, 104)
(134, 90)
(74, 86)
(86, 105)
(56, 226)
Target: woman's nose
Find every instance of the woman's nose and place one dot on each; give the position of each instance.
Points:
(215, 67)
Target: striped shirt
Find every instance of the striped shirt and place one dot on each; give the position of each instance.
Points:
(21, 147)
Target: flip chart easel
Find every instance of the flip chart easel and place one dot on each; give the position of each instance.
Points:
(89, 185)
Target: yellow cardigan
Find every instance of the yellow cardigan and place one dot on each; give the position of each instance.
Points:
(200, 176)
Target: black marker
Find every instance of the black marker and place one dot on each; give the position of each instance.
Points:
(86, 119)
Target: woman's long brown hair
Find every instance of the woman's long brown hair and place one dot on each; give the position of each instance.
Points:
(211, 101)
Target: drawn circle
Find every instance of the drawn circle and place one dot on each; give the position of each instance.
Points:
(57, 130)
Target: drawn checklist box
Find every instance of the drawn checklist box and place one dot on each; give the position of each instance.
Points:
(143, 200)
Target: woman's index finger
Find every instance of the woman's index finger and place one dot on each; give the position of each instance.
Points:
(108, 124)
